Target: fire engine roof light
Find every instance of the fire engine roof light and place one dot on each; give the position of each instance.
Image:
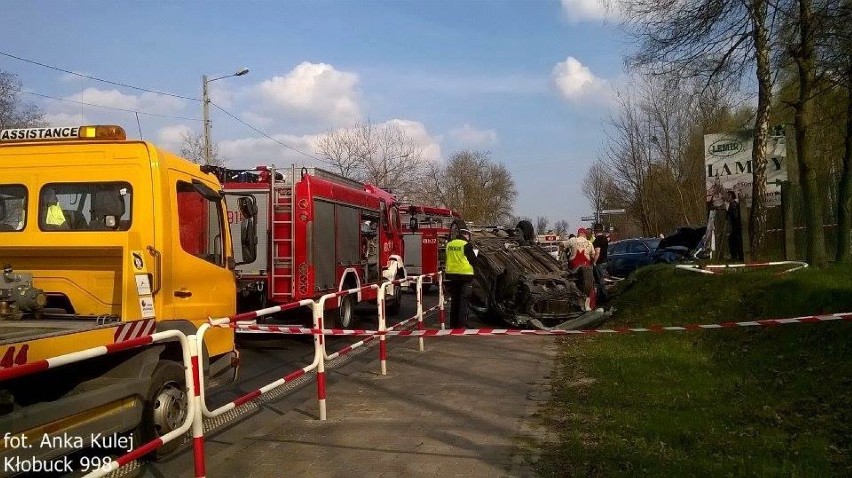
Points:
(55, 133)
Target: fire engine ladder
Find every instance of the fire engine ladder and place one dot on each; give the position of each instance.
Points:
(282, 233)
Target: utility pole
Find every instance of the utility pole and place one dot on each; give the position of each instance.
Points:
(206, 109)
(205, 105)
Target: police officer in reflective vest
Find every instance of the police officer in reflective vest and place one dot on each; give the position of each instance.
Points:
(460, 259)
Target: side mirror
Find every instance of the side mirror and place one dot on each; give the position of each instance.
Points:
(248, 229)
(248, 207)
(413, 225)
(385, 219)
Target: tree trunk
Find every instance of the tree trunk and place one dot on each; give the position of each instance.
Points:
(811, 197)
(757, 220)
(844, 202)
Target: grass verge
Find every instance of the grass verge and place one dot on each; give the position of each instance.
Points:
(769, 401)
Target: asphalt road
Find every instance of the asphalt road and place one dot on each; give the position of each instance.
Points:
(264, 360)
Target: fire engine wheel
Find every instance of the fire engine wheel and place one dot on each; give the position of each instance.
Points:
(166, 405)
(343, 317)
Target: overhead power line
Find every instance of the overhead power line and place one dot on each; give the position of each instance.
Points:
(110, 107)
(124, 85)
(223, 110)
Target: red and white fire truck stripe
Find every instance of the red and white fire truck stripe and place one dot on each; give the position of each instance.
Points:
(619, 330)
(132, 330)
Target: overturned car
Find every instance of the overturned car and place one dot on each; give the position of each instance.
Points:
(519, 283)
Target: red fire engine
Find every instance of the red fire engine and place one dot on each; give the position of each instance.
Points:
(318, 232)
(425, 231)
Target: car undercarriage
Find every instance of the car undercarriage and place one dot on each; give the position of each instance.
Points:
(518, 283)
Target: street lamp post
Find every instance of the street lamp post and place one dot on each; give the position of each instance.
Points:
(205, 104)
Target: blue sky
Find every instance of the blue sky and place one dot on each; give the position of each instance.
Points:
(532, 81)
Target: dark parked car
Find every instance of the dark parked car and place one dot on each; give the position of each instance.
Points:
(684, 243)
(627, 255)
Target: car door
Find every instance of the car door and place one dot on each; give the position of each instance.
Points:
(617, 259)
(637, 254)
(200, 279)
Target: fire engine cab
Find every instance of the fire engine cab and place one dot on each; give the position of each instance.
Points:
(426, 231)
(318, 232)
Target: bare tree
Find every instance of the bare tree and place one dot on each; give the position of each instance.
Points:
(561, 227)
(14, 112)
(481, 191)
(382, 155)
(673, 109)
(628, 163)
(513, 220)
(541, 223)
(719, 41)
(192, 148)
(653, 164)
(595, 184)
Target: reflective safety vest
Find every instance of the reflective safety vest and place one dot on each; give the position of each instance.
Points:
(55, 217)
(457, 262)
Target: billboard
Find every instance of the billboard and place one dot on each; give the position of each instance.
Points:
(728, 166)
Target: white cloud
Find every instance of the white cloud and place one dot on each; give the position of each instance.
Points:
(257, 119)
(251, 152)
(314, 90)
(64, 119)
(115, 107)
(470, 136)
(576, 82)
(222, 94)
(416, 131)
(72, 78)
(146, 102)
(583, 10)
(171, 137)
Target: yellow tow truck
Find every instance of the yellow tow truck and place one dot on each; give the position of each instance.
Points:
(105, 239)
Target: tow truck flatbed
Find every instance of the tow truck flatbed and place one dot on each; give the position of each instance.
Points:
(28, 340)
(25, 330)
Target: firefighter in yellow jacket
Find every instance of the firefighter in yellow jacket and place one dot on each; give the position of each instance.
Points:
(461, 257)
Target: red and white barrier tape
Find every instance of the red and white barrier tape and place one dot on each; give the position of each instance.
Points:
(348, 348)
(618, 330)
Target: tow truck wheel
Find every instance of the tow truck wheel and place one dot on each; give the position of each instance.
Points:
(166, 405)
(343, 317)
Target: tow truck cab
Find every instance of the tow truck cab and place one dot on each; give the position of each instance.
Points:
(104, 239)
